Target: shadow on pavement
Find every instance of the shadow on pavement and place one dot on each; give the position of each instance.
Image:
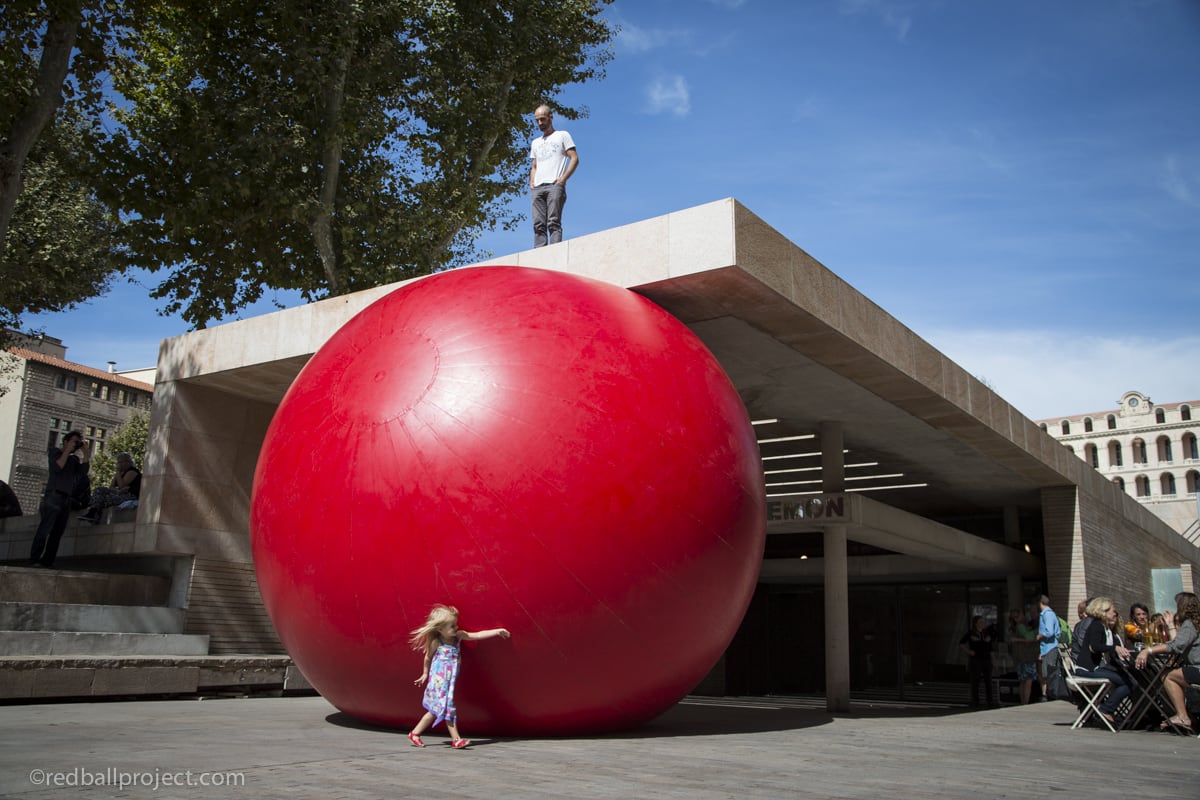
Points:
(701, 718)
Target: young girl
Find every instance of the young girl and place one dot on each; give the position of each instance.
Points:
(439, 637)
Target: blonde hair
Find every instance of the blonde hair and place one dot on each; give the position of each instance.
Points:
(426, 637)
(1098, 606)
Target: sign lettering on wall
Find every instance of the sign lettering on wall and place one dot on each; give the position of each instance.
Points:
(824, 507)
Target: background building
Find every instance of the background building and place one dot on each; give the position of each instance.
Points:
(1149, 451)
(46, 396)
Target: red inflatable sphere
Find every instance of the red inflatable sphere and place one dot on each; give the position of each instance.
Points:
(548, 453)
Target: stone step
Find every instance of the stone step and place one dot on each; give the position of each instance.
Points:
(70, 643)
(117, 536)
(92, 618)
(37, 585)
(36, 678)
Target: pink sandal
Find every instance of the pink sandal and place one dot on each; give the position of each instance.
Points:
(415, 740)
(459, 744)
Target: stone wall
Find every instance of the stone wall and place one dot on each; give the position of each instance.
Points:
(77, 410)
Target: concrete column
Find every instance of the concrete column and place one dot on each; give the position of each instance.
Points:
(837, 587)
(1012, 538)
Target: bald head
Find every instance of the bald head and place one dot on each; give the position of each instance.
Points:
(544, 118)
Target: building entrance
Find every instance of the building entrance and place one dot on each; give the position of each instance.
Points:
(904, 638)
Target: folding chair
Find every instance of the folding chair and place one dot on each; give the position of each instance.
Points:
(1092, 690)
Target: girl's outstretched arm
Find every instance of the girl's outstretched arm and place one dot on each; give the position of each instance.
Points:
(491, 633)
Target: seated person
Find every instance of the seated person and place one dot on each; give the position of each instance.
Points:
(1096, 653)
(1158, 628)
(1185, 625)
(1139, 621)
(10, 506)
(126, 485)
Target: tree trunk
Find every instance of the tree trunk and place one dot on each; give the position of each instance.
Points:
(27, 126)
(321, 222)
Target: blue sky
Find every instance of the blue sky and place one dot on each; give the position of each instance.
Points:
(1017, 182)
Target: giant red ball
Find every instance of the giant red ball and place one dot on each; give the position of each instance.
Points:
(548, 453)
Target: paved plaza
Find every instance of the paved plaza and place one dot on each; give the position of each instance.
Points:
(301, 747)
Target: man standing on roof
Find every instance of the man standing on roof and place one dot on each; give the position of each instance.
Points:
(554, 161)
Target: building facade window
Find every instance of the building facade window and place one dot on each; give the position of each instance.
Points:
(1167, 484)
(1139, 451)
(1191, 481)
(59, 428)
(1091, 454)
(1066, 428)
(1119, 483)
(1190, 451)
(1114, 455)
(1112, 422)
(1160, 416)
(64, 382)
(1087, 424)
(1143, 485)
(1185, 413)
(95, 437)
(1164, 450)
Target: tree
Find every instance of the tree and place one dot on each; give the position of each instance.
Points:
(130, 437)
(330, 147)
(56, 236)
(62, 243)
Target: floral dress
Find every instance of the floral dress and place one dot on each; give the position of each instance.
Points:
(439, 690)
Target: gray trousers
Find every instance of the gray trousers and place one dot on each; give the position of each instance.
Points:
(547, 201)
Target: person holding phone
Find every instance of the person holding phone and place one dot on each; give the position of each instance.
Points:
(68, 465)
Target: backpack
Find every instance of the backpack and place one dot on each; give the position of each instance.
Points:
(1064, 632)
(1056, 683)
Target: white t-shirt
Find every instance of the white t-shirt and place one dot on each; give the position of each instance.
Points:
(550, 155)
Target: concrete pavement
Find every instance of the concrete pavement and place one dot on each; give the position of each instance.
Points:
(301, 748)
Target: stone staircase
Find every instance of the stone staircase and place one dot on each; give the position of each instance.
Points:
(107, 623)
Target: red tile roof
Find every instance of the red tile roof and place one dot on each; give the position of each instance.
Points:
(80, 369)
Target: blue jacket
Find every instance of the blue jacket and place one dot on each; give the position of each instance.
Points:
(1048, 629)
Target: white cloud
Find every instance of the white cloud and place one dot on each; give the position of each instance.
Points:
(670, 95)
(894, 16)
(1176, 182)
(1049, 374)
(635, 39)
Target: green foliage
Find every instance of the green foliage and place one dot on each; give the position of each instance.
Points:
(57, 238)
(62, 246)
(131, 437)
(318, 147)
(330, 147)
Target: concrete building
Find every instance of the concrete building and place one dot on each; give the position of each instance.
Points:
(1146, 449)
(903, 494)
(45, 397)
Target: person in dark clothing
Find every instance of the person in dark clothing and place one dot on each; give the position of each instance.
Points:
(977, 644)
(10, 506)
(1096, 655)
(68, 466)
